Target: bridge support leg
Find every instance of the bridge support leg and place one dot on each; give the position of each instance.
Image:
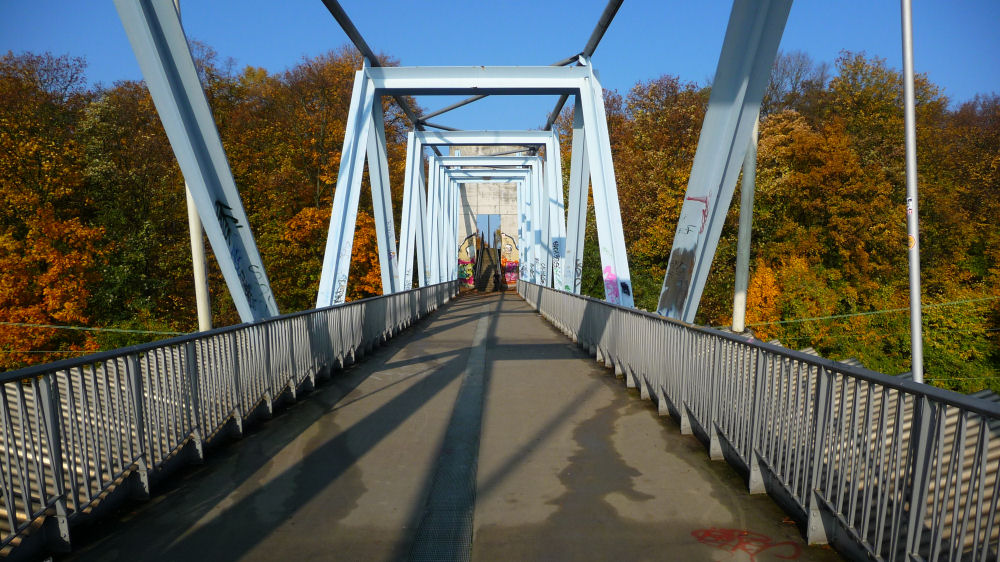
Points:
(364, 139)
(614, 260)
(161, 48)
(579, 187)
(741, 77)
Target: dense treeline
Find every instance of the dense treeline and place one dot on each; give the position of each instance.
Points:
(93, 221)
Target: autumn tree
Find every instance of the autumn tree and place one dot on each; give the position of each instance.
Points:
(48, 251)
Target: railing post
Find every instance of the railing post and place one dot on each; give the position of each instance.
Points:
(58, 536)
(757, 485)
(815, 530)
(714, 443)
(197, 435)
(687, 354)
(237, 391)
(924, 416)
(142, 461)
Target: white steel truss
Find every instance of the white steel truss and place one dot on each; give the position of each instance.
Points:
(365, 122)
(748, 51)
(532, 231)
(537, 232)
(412, 198)
(154, 30)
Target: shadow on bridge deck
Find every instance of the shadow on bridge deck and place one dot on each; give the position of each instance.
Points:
(482, 422)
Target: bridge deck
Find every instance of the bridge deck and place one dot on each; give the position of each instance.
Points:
(374, 464)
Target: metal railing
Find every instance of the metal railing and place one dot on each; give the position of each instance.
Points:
(76, 431)
(880, 466)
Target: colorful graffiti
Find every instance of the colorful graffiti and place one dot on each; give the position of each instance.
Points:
(509, 259)
(467, 261)
(611, 285)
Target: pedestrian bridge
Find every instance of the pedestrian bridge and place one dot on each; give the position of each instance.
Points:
(427, 425)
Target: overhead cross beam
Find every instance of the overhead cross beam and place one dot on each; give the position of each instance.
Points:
(588, 50)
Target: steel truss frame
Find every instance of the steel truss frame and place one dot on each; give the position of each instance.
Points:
(748, 51)
(551, 178)
(154, 30)
(365, 138)
(538, 230)
(532, 226)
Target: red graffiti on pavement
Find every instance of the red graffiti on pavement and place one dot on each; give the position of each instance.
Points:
(733, 540)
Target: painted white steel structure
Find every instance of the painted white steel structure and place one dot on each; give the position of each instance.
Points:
(532, 235)
(744, 69)
(154, 30)
(415, 206)
(539, 206)
(364, 138)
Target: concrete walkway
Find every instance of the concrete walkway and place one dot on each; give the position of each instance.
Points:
(480, 432)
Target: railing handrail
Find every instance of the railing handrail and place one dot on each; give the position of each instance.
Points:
(100, 356)
(950, 397)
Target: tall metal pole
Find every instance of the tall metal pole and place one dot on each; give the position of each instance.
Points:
(743, 241)
(912, 224)
(198, 263)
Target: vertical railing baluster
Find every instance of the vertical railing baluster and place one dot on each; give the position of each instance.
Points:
(51, 411)
(196, 417)
(143, 459)
(815, 531)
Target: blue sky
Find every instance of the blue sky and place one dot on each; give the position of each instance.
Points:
(956, 42)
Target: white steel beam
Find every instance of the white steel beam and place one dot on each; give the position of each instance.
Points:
(154, 30)
(614, 260)
(364, 140)
(748, 51)
(459, 80)
(579, 188)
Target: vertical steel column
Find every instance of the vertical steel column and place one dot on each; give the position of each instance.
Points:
(378, 175)
(614, 260)
(423, 250)
(456, 206)
(431, 222)
(579, 188)
(539, 252)
(154, 31)
(340, 237)
(751, 43)
(743, 241)
(522, 229)
(409, 216)
(556, 210)
(912, 222)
